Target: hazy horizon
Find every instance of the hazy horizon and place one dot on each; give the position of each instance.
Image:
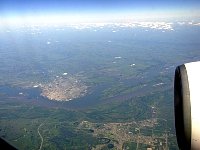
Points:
(77, 11)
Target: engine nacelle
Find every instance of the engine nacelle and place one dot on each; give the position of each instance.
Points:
(187, 105)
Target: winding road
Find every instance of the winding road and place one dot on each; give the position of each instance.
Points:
(40, 135)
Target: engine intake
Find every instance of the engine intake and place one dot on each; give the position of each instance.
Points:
(187, 105)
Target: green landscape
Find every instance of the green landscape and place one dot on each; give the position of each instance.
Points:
(107, 90)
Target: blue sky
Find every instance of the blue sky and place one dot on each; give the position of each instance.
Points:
(101, 8)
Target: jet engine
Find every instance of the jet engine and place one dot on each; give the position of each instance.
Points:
(187, 105)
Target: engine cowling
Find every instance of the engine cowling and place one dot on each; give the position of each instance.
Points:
(187, 105)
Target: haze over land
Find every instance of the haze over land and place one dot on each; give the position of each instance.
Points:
(97, 11)
(93, 74)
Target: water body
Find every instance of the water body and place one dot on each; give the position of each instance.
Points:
(33, 95)
(30, 58)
